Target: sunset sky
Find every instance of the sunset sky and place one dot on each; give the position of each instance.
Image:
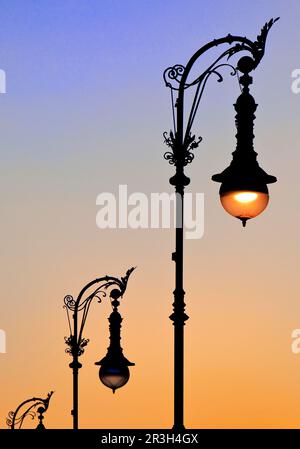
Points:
(84, 112)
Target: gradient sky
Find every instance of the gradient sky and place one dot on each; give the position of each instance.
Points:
(84, 111)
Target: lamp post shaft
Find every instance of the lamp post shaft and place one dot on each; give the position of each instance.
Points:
(179, 181)
(75, 365)
(75, 399)
(178, 316)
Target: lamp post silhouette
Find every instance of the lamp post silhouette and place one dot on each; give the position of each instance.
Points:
(29, 408)
(114, 372)
(243, 191)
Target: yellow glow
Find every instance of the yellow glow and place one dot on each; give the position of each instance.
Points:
(245, 197)
(244, 204)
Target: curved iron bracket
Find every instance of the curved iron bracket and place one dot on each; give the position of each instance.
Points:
(180, 140)
(37, 405)
(117, 287)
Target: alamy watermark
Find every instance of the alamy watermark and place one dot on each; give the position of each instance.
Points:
(295, 345)
(157, 210)
(295, 86)
(2, 81)
(2, 342)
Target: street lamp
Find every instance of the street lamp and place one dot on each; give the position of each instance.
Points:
(243, 191)
(114, 372)
(29, 408)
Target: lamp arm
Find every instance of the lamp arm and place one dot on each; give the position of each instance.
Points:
(175, 77)
(76, 342)
(13, 419)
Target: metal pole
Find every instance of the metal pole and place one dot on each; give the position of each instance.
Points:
(179, 317)
(75, 365)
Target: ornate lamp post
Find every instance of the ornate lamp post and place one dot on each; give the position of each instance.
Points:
(243, 192)
(114, 372)
(29, 408)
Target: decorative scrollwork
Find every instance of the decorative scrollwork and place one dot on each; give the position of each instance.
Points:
(260, 43)
(69, 302)
(240, 46)
(125, 278)
(38, 406)
(184, 157)
(173, 73)
(10, 418)
(96, 289)
(185, 142)
(192, 144)
(169, 140)
(213, 69)
(256, 48)
(72, 346)
(70, 342)
(220, 77)
(169, 156)
(19, 421)
(83, 342)
(103, 284)
(98, 293)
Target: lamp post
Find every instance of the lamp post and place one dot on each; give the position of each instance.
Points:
(29, 408)
(114, 372)
(243, 192)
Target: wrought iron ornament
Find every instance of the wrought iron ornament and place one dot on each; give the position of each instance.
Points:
(38, 406)
(76, 344)
(183, 142)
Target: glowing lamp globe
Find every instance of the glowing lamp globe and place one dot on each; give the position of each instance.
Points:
(244, 203)
(244, 193)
